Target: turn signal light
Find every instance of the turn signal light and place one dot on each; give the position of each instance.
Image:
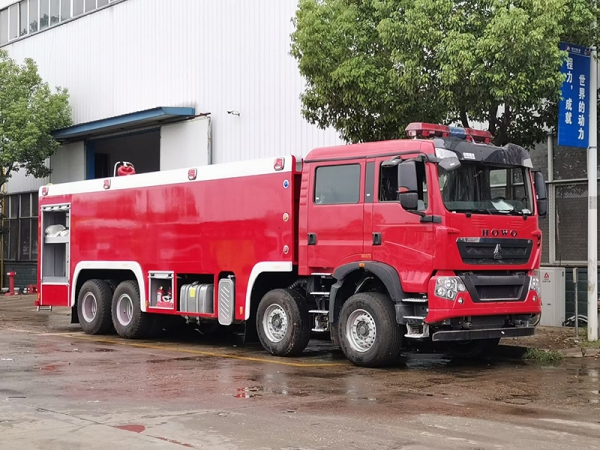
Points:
(192, 174)
(279, 163)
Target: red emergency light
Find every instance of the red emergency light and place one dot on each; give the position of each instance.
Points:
(420, 130)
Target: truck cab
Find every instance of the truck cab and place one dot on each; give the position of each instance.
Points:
(438, 232)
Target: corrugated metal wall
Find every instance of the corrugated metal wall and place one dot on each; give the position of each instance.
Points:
(215, 55)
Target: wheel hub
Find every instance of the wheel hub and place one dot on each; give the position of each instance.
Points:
(361, 331)
(275, 323)
(124, 310)
(89, 307)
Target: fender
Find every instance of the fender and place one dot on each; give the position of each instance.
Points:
(111, 265)
(386, 273)
(261, 267)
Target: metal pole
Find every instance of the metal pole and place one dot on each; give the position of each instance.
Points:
(550, 157)
(592, 172)
(575, 282)
(551, 202)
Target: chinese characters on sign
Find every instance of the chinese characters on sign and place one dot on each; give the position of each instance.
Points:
(573, 115)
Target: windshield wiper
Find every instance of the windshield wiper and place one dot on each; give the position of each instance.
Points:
(512, 212)
(474, 210)
(515, 212)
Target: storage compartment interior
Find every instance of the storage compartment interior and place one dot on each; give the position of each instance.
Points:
(162, 291)
(55, 250)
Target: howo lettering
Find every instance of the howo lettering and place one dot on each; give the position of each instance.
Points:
(430, 240)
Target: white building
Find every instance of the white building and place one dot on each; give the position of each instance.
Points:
(160, 83)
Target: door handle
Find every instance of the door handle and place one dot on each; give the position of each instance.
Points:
(377, 239)
(312, 239)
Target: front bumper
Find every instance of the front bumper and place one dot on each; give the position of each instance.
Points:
(466, 335)
(466, 304)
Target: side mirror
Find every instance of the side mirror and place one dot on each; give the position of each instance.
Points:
(540, 193)
(449, 164)
(407, 184)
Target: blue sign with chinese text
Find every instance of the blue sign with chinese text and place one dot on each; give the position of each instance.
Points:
(573, 109)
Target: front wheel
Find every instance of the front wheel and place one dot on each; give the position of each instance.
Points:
(368, 333)
(283, 323)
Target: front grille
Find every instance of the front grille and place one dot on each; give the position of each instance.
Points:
(490, 288)
(494, 251)
(498, 292)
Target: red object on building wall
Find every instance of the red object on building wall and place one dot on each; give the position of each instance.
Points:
(11, 283)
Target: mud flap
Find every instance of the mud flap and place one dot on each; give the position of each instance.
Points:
(74, 314)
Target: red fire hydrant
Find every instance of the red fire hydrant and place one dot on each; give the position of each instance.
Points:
(11, 283)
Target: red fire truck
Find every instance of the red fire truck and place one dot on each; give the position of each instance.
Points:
(433, 238)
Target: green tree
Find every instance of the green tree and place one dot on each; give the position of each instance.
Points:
(29, 112)
(373, 66)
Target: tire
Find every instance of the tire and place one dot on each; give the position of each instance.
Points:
(473, 349)
(127, 316)
(93, 307)
(113, 285)
(283, 323)
(367, 330)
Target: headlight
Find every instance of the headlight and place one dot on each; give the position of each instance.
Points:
(449, 287)
(534, 285)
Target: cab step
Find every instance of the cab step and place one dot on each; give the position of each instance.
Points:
(416, 328)
(414, 320)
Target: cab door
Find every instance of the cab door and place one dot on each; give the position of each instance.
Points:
(401, 239)
(335, 214)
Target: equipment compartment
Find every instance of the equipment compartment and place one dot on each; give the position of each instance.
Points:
(161, 290)
(55, 243)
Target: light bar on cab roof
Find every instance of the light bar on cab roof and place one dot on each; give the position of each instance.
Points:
(420, 130)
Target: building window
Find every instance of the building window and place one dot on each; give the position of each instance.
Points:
(336, 185)
(55, 12)
(13, 22)
(31, 16)
(21, 227)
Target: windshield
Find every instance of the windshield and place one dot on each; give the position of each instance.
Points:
(486, 189)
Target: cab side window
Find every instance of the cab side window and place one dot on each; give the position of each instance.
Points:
(335, 185)
(388, 184)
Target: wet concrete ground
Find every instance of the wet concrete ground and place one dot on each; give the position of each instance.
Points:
(61, 389)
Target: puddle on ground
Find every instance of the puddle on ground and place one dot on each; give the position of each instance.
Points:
(258, 391)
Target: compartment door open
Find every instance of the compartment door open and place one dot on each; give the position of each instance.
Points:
(55, 250)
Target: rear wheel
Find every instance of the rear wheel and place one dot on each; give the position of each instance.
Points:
(473, 349)
(282, 322)
(128, 318)
(368, 333)
(93, 307)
